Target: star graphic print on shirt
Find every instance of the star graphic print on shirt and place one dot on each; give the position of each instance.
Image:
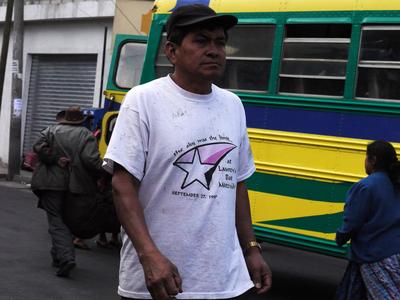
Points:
(199, 163)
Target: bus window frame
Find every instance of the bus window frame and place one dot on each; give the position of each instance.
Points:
(315, 21)
(241, 21)
(160, 44)
(375, 23)
(258, 21)
(120, 41)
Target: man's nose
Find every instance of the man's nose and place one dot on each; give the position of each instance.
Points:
(214, 49)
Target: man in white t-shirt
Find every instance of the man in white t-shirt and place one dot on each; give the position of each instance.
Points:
(179, 155)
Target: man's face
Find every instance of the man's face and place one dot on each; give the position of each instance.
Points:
(201, 54)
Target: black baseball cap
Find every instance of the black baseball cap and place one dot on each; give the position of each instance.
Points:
(197, 14)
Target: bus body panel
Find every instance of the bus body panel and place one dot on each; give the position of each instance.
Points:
(308, 149)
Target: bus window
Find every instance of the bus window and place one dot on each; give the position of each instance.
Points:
(163, 66)
(314, 59)
(130, 64)
(248, 58)
(379, 63)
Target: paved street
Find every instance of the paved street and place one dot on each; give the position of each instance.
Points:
(26, 272)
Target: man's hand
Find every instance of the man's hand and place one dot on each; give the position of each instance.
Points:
(63, 161)
(259, 270)
(162, 277)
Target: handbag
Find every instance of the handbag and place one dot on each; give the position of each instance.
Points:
(29, 161)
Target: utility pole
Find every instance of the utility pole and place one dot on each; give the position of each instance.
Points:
(4, 46)
(14, 153)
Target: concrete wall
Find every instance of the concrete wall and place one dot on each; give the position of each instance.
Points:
(64, 9)
(128, 16)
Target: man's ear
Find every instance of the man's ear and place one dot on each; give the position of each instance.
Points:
(169, 50)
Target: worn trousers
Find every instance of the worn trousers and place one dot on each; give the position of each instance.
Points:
(61, 238)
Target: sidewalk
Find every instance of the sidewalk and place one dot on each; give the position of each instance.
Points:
(23, 177)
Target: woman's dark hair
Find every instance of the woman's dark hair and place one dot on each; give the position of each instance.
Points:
(385, 160)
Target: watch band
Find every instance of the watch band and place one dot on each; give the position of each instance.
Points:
(252, 244)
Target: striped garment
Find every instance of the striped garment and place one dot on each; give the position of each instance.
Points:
(382, 278)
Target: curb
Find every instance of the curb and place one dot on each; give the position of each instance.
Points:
(23, 177)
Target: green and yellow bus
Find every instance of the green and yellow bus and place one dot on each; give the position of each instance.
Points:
(318, 79)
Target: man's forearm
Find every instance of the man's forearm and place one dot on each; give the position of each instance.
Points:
(161, 275)
(243, 216)
(130, 211)
(259, 271)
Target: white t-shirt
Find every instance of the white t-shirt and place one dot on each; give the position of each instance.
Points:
(189, 151)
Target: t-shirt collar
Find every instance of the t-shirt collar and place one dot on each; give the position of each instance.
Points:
(188, 95)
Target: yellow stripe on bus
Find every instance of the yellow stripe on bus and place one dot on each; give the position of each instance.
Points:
(116, 96)
(309, 156)
(237, 6)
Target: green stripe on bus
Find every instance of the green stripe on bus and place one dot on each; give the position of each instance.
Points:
(299, 241)
(322, 223)
(298, 188)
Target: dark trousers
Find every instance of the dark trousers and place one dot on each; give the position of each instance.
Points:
(61, 238)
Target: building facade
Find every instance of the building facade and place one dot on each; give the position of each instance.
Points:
(67, 50)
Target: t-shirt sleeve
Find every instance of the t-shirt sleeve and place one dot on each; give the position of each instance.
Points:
(127, 145)
(246, 160)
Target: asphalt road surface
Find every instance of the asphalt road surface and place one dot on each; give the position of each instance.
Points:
(26, 273)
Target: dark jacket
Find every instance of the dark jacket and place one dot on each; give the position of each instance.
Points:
(80, 146)
(47, 175)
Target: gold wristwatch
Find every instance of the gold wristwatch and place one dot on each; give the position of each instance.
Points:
(252, 244)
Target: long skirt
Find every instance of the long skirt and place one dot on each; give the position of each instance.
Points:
(382, 278)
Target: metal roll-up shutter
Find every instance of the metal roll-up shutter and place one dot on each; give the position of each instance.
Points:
(57, 82)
